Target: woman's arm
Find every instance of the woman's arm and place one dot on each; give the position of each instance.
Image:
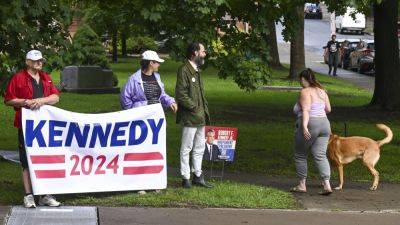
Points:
(305, 103)
(127, 94)
(327, 103)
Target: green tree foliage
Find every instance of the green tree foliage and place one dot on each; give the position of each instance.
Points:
(86, 49)
(238, 55)
(181, 22)
(138, 44)
(32, 24)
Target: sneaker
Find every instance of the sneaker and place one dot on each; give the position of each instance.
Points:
(49, 200)
(29, 201)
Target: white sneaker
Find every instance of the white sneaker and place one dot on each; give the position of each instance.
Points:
(49, 200)
(29, 201)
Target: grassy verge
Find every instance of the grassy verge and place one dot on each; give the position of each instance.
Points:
(264, 119)
(224, 194)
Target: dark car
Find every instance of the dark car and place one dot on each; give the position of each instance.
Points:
(312, 11)
(350, 46)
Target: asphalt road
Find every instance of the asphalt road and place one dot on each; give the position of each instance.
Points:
(317, 33)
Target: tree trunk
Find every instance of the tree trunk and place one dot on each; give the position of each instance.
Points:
(273, 59)
(123, 44)
(114, 46)
(387, 61)
(297, 58)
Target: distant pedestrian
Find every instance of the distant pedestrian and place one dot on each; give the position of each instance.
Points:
(332, 49)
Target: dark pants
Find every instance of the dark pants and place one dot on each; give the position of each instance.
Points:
(333, 62)
(22, 151)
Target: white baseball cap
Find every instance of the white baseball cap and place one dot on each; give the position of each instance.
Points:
(152, 55)
(34, 55)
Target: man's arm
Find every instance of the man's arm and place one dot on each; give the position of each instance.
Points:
(16, 102)
(34, 103)
(182, 92)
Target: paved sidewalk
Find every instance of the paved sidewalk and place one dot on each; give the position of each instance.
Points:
(314, 60)
(3, 213)
(210, 216)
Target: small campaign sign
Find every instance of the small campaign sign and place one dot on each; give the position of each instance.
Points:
(220, 143)
(73, 152)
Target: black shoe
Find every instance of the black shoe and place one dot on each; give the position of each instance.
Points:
(335, 75)
(199, 181)
(186, 183)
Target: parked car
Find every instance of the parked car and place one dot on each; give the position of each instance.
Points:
(347, 23)
(361, 59)
(365, 63)
(312, 11)
(348, 46)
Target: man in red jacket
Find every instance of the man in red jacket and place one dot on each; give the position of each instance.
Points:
(30, 88)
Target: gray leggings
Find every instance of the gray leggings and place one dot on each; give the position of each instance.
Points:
(320, 129)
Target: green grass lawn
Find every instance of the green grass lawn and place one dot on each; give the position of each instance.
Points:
(264, 119)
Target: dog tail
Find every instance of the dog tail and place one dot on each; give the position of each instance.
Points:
(389, 134)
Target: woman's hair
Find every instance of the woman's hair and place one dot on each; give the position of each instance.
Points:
(144, 64)
(309, 76)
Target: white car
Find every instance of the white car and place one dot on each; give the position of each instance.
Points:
(347, 23)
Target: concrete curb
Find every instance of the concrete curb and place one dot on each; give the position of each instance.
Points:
(280, 88)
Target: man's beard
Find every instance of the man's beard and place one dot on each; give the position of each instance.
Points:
(199, 60)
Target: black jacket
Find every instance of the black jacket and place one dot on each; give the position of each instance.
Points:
(215, 153)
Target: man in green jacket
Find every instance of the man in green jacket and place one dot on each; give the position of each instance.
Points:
(192, 114)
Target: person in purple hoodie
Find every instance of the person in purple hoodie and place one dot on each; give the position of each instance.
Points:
(145, 87)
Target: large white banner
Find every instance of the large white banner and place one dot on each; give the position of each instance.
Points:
(73, 152)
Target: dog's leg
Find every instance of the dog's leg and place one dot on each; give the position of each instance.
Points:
(370, 159)
(374, 173)
(340, 170)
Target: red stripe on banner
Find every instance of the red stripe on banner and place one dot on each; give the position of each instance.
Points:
(47, 159)
(142, 170)
(143, 156)
(43, 174)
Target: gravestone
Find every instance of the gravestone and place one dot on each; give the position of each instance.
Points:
(88, 80)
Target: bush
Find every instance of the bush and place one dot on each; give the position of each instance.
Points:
(136, 45)
(87, 49)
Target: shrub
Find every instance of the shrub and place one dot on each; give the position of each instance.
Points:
(138, 44)
(87, 49)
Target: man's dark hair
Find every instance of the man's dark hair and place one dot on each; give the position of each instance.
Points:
(191, 49)
(144, 64)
